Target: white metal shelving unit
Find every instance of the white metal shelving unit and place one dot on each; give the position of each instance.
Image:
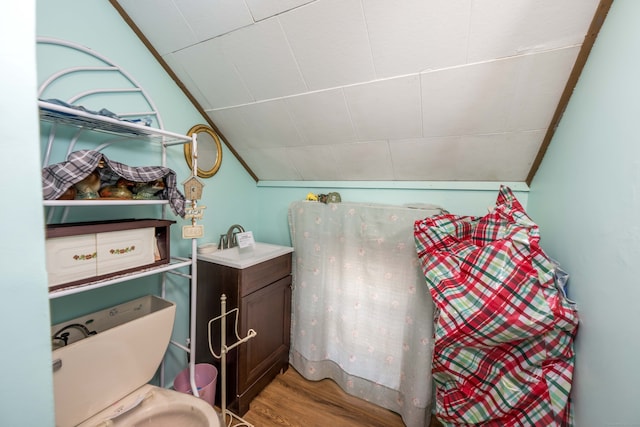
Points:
(60, 116)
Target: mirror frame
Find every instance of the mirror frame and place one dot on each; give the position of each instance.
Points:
(204, 173)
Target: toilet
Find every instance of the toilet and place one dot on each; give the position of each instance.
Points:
(103, 362)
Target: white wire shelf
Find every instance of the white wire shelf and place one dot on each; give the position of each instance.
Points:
(104, 202)
(59, 114)
(174, 264)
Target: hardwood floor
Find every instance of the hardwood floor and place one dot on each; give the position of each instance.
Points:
(292, 401)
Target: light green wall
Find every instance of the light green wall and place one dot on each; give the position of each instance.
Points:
(26, 389)
(586, 198)
(458, 198)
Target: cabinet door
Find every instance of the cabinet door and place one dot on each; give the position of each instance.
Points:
(268, 312)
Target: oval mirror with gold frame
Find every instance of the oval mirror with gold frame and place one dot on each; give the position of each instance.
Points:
(209, 151)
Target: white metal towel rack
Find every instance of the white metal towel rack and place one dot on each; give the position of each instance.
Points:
(224, 349)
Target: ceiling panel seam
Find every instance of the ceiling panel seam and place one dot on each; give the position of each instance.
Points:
(293, 55)
(383, 79)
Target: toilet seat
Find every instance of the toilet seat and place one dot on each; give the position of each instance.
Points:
(156, 406)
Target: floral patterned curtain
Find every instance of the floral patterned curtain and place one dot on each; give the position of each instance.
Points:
(361, 314)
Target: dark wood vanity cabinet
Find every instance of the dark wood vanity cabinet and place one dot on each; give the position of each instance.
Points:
(263, 294)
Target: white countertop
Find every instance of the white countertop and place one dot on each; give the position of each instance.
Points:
(247, 257)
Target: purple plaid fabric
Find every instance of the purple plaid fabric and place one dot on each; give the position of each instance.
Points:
(504, 329)
(57, 178)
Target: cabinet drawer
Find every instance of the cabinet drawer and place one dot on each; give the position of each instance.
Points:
(120, 250)
(260, 275)
(78, 253)
(71, 258)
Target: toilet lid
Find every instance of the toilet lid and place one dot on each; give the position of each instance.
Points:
(92, 373)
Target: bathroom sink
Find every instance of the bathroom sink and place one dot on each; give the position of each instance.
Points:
(246, 257)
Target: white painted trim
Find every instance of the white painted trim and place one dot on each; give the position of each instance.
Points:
(400, 185)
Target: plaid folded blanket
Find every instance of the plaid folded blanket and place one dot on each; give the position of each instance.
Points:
(504, 329)
(57, 178)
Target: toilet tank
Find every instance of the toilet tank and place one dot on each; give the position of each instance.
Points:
(123, 349)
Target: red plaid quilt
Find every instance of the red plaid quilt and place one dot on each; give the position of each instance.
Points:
(504, 329)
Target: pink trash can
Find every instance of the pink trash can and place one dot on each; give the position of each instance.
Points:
(205, 378)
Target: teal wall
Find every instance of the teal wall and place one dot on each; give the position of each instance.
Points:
(26, 389)
(586, 199)
(456, 197)
(231, 196)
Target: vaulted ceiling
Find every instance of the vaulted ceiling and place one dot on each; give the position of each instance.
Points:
(376, 90)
